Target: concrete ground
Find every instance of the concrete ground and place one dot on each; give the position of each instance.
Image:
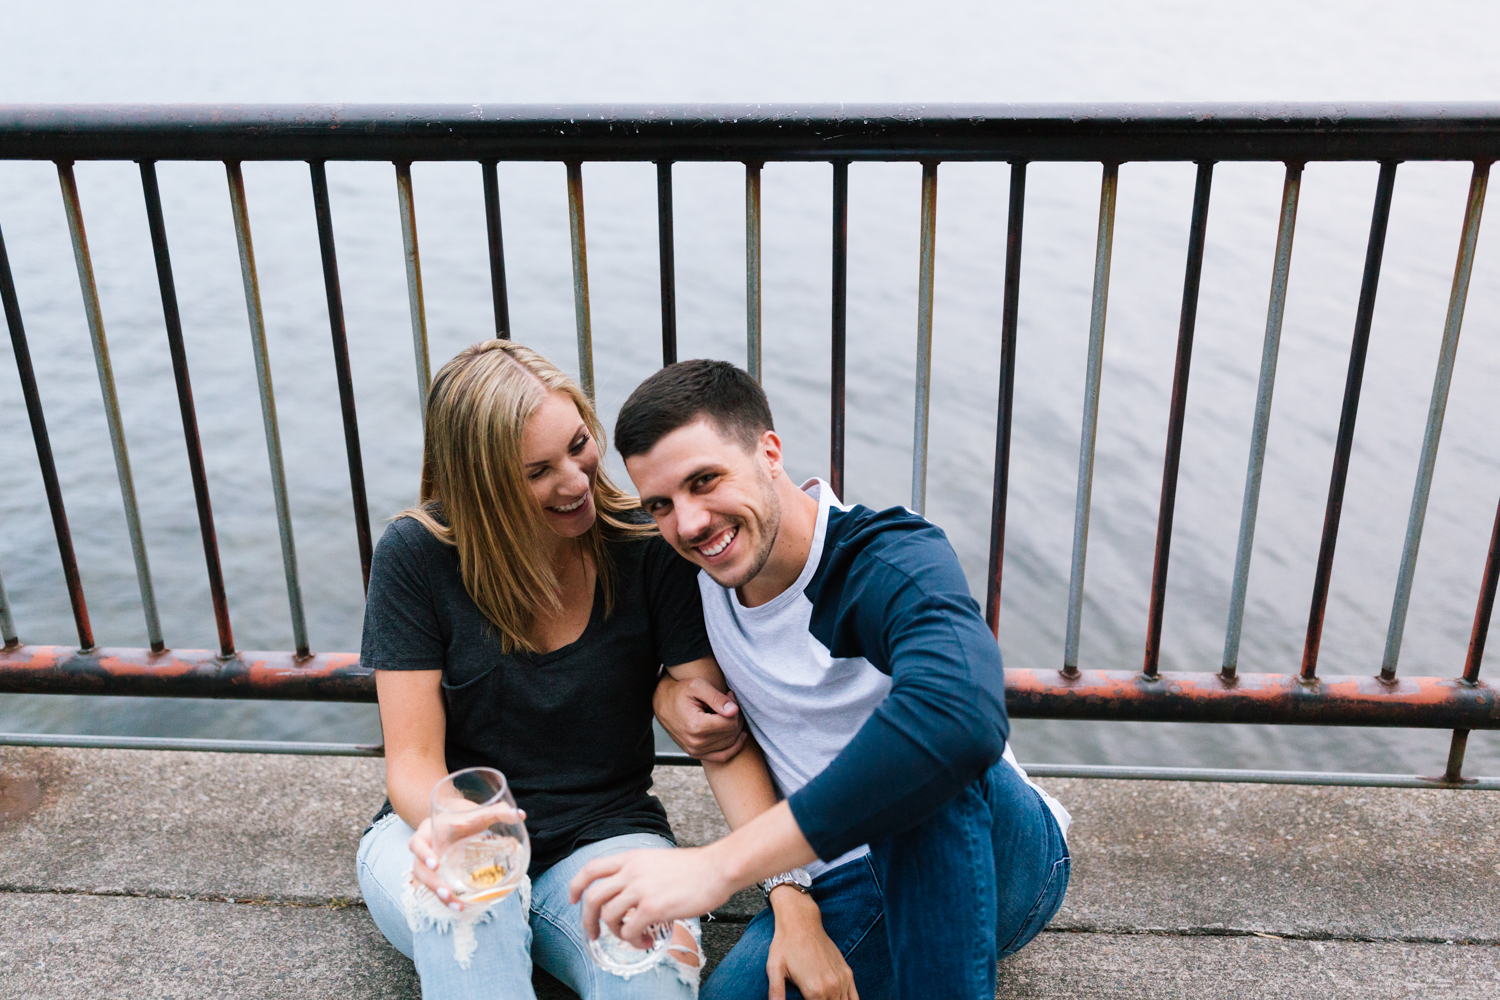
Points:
(128, 874)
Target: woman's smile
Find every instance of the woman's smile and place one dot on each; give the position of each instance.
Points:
(572, 508)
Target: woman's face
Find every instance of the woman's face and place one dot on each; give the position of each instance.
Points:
(559, 458)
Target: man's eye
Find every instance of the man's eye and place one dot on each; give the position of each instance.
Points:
(704, 480)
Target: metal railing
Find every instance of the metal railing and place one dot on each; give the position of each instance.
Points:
(754, 135)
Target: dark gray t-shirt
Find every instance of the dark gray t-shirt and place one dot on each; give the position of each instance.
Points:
(570, 729)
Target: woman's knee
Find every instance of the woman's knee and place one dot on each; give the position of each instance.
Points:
(382, 863)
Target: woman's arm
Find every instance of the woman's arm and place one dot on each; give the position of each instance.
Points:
(414, 722)
(800, 949)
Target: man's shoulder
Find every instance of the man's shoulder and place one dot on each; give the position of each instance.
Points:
(862, 546)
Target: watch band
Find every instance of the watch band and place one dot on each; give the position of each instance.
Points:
(797, 878)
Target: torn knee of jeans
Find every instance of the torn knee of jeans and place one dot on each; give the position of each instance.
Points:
(686, 948)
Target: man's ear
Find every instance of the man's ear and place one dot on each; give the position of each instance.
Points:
(769, 447)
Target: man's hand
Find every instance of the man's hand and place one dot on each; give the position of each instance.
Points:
(802, 952)
(631, 891)
(702, 719)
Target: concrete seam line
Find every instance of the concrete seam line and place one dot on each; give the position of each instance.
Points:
(335, 903)
(1239, 932)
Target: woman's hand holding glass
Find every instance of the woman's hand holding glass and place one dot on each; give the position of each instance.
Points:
(473, 847)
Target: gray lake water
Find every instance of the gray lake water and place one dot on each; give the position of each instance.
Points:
(376, 51)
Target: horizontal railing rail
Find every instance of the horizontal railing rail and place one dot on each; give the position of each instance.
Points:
(1220, 131)
(1110, 134)
(1112, 695)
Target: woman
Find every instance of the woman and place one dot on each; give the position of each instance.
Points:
(518, 619)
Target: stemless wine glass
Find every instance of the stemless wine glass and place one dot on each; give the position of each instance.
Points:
(614, 955)
(482, 846)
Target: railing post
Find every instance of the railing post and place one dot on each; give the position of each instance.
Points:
(580, 278)
(924, 338)
(406, 199)
(1489, 583)
(262, 355)
(1447, 355)
(8, 637)
(1104, 248)
(1009, 315)
(838, 335)
(497, 249)
(111, 401)
(668, 262)
(173, 320)
(342, 373)
(1364, 316)
(1197, 236)
(1265, 388)
(752, 270)
(43, 442)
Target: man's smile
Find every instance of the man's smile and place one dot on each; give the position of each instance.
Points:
(717, 544)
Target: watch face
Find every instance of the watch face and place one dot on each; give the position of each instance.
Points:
(800, 876)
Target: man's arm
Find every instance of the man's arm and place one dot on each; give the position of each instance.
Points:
(800, 948)
(629, 892)
(904, 604)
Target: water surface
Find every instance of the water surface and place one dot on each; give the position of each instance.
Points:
(680, 52)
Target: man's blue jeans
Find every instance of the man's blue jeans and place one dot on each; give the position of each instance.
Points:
(930, 911)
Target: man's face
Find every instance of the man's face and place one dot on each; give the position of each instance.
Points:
(714, 500)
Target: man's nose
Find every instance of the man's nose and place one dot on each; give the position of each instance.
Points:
(692, 518)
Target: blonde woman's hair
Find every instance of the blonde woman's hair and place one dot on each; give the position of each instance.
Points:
(472, 478)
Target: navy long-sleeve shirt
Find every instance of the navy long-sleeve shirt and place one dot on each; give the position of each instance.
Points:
(872, 683)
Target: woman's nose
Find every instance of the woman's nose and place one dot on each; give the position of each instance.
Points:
(577, 480)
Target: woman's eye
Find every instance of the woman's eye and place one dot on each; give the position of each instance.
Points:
(536, 474)
(579, 445)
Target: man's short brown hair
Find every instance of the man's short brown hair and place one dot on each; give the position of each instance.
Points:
(687, 391)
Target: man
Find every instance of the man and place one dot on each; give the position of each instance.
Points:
(870, 681)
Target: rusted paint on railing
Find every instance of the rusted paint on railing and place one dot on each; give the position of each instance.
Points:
(185, 673)
(1113, 695)
(1282, 699)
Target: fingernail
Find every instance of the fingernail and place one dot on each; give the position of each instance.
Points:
(432, 863)
(443, 893)
(454, 907)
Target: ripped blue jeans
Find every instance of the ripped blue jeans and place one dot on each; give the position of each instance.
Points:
(508, 939)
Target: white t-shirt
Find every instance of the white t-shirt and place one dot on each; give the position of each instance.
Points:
(802, 704)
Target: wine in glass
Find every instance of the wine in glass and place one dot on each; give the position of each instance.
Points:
(481, 843)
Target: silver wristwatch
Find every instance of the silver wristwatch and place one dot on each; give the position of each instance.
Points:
(797, 878)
